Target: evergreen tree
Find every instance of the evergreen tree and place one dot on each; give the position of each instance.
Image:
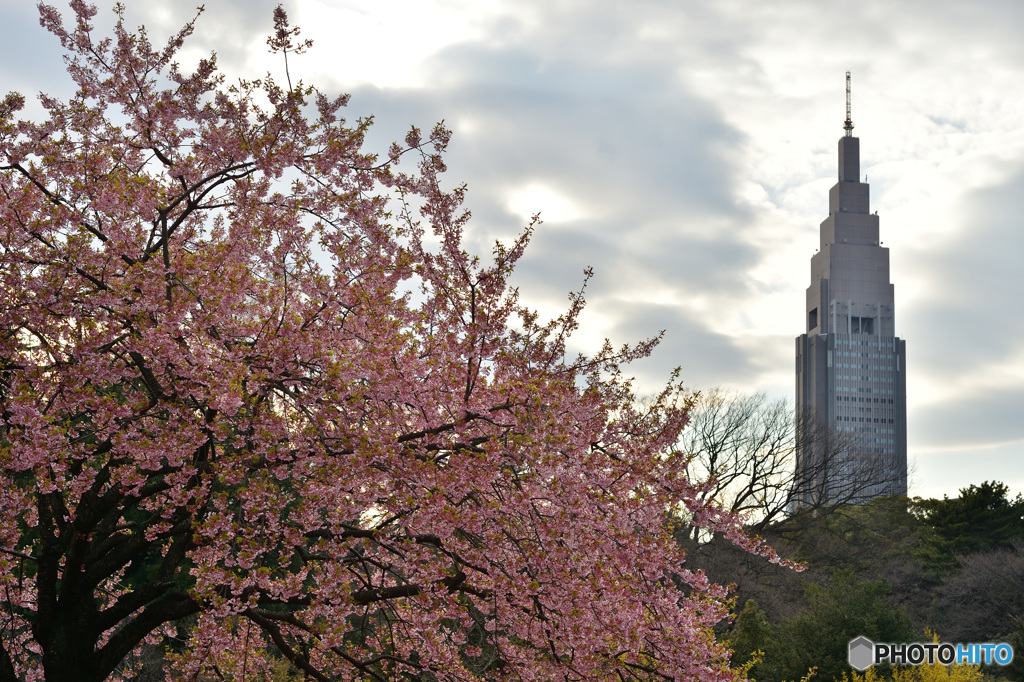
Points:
(751, 634)
(983, 518)
(819, 637)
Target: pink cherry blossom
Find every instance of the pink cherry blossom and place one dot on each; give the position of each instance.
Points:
(250, 416)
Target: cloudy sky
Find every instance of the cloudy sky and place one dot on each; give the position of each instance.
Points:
(684, 149)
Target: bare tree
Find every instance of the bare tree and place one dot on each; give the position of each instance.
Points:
(767, 462)
(984, 600)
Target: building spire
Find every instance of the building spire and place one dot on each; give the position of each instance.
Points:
(848, 125)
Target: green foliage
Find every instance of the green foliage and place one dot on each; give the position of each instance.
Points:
(863, 539)
(1015, 671)
(751, 634)
(819, 636)
(888, 570)
(983, 518)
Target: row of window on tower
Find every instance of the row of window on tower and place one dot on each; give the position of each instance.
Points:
(877, 420)
(855, 324)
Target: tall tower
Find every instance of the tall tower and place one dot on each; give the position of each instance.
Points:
(850, 365)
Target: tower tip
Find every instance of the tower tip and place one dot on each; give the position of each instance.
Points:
(848, 125)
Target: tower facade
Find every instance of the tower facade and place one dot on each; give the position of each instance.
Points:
(850, 365)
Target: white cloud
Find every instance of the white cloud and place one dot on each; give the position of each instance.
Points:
(553, 206)
(685, 150)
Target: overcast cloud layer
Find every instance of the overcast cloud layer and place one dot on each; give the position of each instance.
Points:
(685, 151)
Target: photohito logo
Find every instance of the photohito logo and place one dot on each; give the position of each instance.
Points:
(864, 653)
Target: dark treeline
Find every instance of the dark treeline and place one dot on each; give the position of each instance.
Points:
(893, 570)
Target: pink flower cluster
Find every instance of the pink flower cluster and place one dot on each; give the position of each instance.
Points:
(224, 419)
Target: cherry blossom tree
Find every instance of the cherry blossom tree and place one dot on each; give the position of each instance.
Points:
(259, 407)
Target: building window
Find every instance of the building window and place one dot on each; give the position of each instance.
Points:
(862, 325)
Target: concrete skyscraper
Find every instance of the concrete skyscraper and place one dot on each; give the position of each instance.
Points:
(850, 365)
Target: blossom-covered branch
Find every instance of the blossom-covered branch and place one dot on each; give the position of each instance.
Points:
(248, 416)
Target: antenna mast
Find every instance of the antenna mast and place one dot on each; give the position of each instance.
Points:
(848, 125)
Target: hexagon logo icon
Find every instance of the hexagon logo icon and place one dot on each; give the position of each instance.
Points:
(862, 653)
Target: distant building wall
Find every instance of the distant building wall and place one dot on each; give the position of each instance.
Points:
(850, 365)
